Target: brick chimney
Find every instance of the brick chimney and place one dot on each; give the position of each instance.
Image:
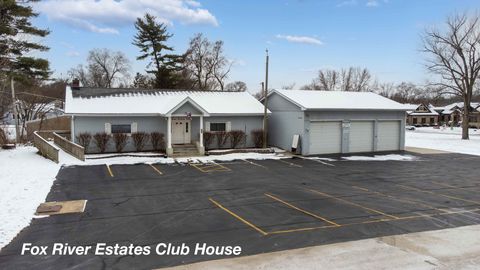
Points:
(75, 84)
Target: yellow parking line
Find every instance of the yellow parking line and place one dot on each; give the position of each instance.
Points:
(211, 167)
(109, 170)
(253, 163)
(238, 217)
(355, 204)
(301, 210)
(401, 199)
(437, 194)
(290, 163)
(371, 221)
(155, 169)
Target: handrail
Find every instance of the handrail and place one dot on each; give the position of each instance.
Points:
(72, 148)
(45, 148)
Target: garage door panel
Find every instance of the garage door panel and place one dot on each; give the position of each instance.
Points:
(388, 136)
(361, 136)
(325, 137)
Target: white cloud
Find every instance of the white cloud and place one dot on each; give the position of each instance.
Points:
(106, 16)
(347, 3)
(72, 54)
(372, 3)
(300, 39)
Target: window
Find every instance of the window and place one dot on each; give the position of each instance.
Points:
(424, 120)
(432, 120)
(218, 127)
(121, 129)
(415, 120)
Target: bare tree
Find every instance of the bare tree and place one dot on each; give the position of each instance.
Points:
(104, 68)
(237, 86)
(355, 79)
(289, 86)
(350, 79)
(454, 55)
(206, 64)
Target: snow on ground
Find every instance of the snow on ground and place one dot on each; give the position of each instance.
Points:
(381, 158)
(25, 178)
(445, 140)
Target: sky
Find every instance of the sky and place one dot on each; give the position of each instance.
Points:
(302, 36)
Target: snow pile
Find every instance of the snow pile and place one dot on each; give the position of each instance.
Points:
(444, 142)
(446, 130)
(25, 178)
(382, 158)
(132, 159)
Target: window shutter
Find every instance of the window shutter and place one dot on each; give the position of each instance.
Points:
(207, 126)
(228, 126)
(108, 128)
(134, 127)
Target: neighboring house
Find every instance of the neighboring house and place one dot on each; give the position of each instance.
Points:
(422, 115)
(452, 114)
(181, 116)
(335, 122)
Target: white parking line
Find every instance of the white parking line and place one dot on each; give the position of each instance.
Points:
(316, 160)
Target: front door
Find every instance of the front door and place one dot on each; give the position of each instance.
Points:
(181, 131)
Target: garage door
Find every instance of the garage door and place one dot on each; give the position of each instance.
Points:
(325, 137)
(388, 136)
(361, 136)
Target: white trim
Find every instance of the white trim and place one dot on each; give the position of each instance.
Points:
(228, 126)
(72, 129)
(207, 126)
(201, 131)
(133, 127)
(108, 128)
(185, 100)
(169, 132)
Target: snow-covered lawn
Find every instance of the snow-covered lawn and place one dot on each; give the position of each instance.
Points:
(382, 158)
(444, 139)
(25, 180)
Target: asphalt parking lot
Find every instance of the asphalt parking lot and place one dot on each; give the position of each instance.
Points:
(262, 206)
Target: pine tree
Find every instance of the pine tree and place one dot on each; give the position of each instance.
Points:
(151, 38)
(16, 42)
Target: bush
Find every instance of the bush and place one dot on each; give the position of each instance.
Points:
(236, 137)
(84, 139)
(158, 141)
(120, 140)
(3, 137)
(139, 140)
(257, 136)
(101, 140)
(208, 139)
(222, 137)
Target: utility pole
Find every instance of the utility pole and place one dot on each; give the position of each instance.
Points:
(265, 103)
(15, 113)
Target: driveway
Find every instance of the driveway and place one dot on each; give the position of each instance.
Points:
(261, 206)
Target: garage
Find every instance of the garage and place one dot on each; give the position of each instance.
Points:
(361, 136)
(326, 137)
(388, 136)
(335, 122)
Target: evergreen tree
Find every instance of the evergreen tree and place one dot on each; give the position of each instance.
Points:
(151, 38)
(16, 42)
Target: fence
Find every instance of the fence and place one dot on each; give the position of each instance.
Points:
(48, 124)
(69, 147)
(46, 149)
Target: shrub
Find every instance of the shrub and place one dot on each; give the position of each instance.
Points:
(236, 137)
(120, 140)
(257, 136)
(208, 139)
(158, 141)
(101, 140)
(222, 137)
(84, 139)
(3, 137)
(139, 140)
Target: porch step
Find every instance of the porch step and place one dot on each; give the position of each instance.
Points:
(185, 150)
